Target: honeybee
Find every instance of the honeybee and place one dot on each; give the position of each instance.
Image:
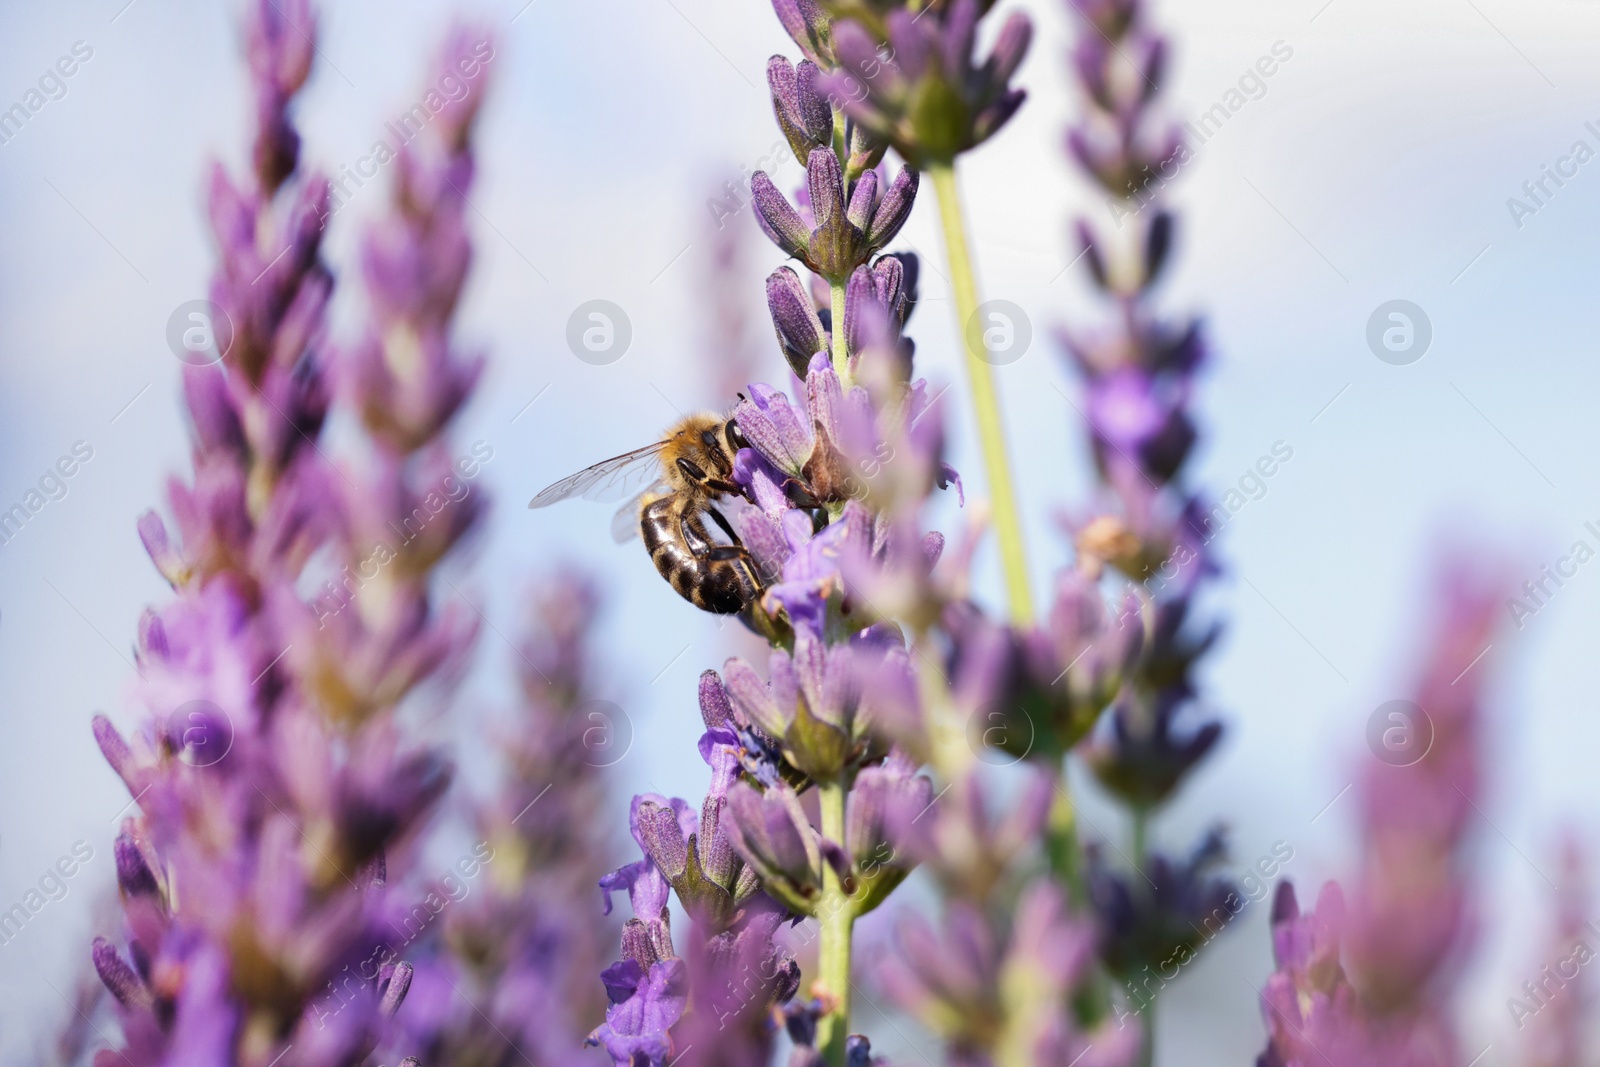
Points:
(671, 488)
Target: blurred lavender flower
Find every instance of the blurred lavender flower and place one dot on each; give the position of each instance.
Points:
(1554, 1007)
(906, 73)
(518, 946)
(1160, 916)
(999, 999)
(275, 789)
(1039, 692)
(1370, 981)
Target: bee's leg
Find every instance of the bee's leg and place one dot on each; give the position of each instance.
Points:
(744, 570)
(722, 523)
(694, 535)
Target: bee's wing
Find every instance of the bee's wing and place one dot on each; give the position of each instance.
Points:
(611, 479)
(625, 523)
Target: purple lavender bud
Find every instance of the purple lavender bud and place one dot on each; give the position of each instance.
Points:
(1093, 259)
(1158, 243)
(913, 44)
(1143, 758)
(805, 21)
(802, 112)
(800, 331)
(716, 711)
(1145, 923)
(119, 978)
(880, 861)
(813, 706)
(770, 832)
(1010, 47)
(779, 221)
(663, 838)
(166, 557)
(960, 26)
(212, 413)
(862, 199)
(895, 208)
(116, 752)
(279, 44)
(642, 947)
(394, 990)
(134, 877)
(851, 220)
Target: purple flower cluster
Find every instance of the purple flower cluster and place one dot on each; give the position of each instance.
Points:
(1366, 977)
(275, 790)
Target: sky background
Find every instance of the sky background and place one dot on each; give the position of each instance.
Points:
(1376, 166)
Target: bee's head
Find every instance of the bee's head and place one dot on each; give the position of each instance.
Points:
(703, 447)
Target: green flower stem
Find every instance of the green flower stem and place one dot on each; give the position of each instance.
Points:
(837, 916)
(1061, 843)
(841, 352)
(991, 432)
(1093, 999)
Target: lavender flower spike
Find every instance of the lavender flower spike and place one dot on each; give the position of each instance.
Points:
(271, 723)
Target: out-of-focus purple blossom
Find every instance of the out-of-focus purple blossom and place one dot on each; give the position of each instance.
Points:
(275, 790)
(923, 93)
(1158, 917)
(1040, 691)
(990, 994)
(1315, 1015)
(1138, 376)
(1408, 906)
(1554, 1006)
(807, 23)
(405, 376)
(967, 840)
(879, 799)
